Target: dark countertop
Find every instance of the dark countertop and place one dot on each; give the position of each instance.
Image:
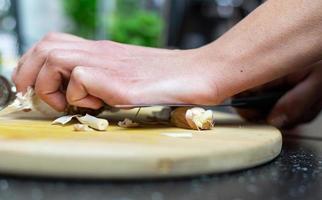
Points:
(295, 174)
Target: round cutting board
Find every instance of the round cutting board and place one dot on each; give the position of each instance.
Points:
(32, 146)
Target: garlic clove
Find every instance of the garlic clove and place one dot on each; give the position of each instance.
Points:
(192, 118)
(94, 122)
(178, 118)
(82, 127)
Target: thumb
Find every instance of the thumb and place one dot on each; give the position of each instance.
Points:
(82, 88)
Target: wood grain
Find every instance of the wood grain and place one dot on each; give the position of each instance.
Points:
(32, 146)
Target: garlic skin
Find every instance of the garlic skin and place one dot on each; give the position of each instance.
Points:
(23, 102)
(63, 120)
(82, 128)
(178, 118)
(88, 120)
(193, 118)
(127, 123)
(94, 122)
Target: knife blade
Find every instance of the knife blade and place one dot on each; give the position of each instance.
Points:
(264, 100)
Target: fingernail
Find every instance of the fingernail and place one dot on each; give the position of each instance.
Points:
(278, 121)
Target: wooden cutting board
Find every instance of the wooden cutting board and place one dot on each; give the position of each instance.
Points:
(32, 146)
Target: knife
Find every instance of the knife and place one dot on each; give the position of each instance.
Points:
(264, 100)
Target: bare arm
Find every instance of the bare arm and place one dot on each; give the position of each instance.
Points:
(278, 38)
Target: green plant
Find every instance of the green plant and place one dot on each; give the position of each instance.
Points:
(140, 28)
(83, 13)
(129, 23)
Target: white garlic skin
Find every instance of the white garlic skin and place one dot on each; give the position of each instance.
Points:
(127, 123)
(82, 128)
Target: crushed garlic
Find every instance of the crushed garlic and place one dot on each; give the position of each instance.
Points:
(127, 123)
(27, 102)
(22, 102)
(192, 118)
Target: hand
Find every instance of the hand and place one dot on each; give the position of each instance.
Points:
(300, 104)
(66, 69)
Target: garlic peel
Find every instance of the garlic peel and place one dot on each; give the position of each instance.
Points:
(91, 121)
(22, 102)
(127, 123)
(27, 102)
(64, 119)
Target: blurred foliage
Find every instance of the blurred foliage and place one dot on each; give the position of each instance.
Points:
(127, 7)
(141, 28)
(129, 23)
(133, 25)
(83, 14)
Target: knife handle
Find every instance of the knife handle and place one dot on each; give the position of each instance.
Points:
(262, 101)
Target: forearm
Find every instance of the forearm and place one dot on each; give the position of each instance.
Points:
(279, 37)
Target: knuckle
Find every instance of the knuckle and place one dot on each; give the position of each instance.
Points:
(52, 58)
(77, 73)
(41, 47)
(50, 36)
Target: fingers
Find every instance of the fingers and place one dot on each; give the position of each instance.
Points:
(299, 105)
(28, 72)
(57, 69)
(81, 88)
(35, 56)
(91, 86)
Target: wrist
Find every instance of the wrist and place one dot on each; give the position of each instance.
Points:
(217, 70)
(233, 70)
(203, 80)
